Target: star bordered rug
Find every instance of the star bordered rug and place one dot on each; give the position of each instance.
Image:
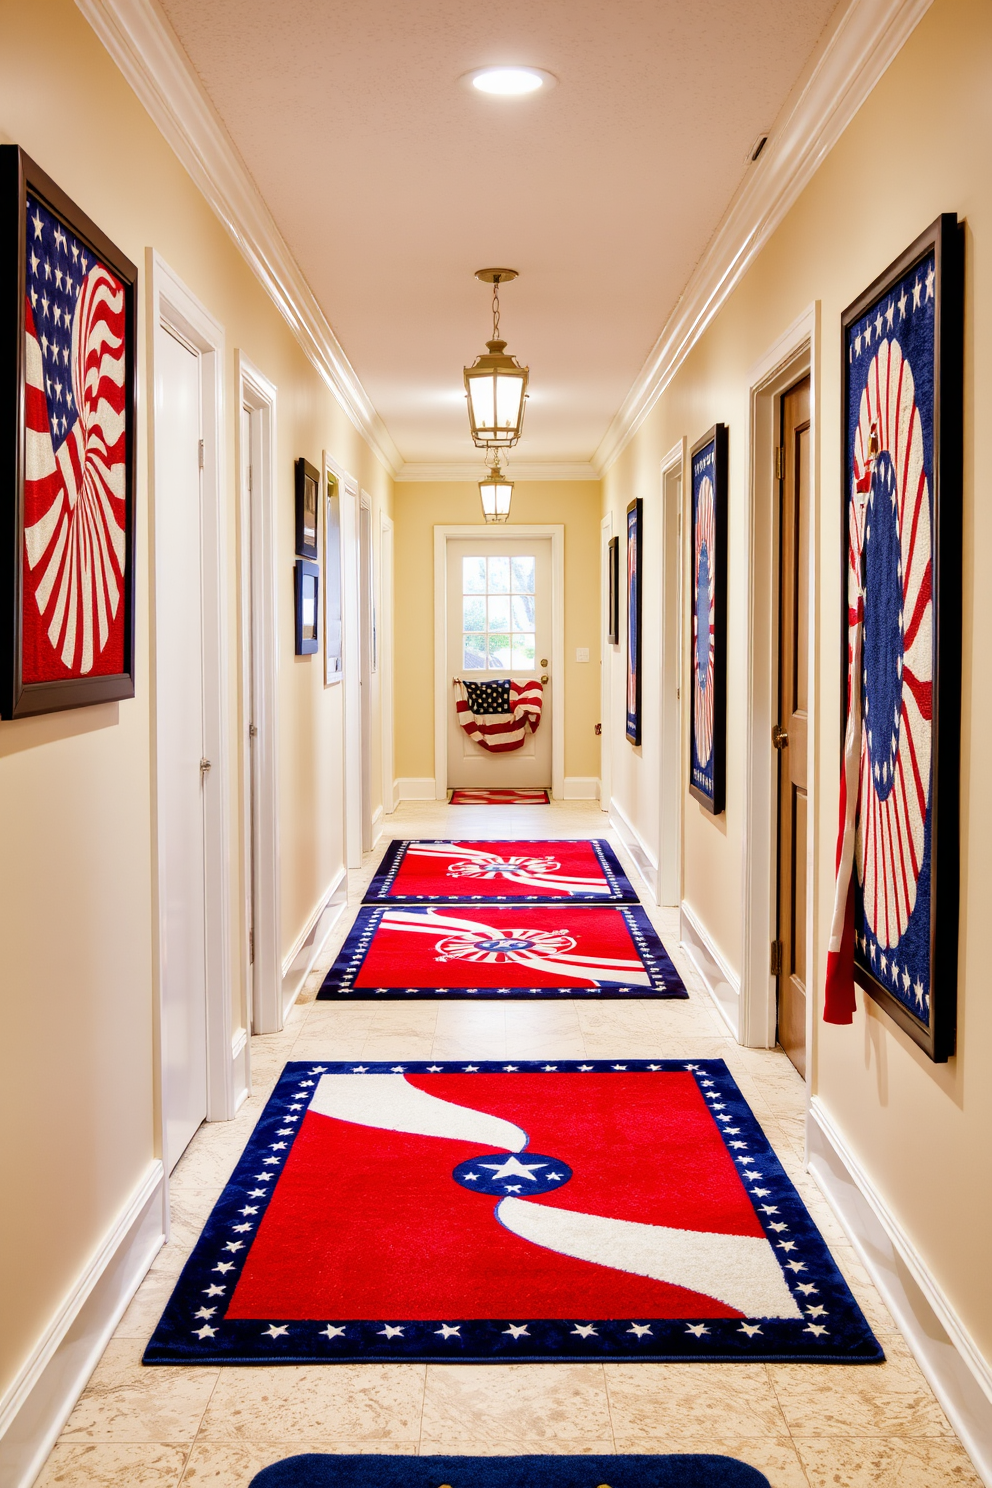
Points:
(654, 1470)
(495, 951)
(504, 796)
(583, 871)
(499, 1212)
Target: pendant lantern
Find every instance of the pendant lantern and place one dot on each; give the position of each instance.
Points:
(496, 384)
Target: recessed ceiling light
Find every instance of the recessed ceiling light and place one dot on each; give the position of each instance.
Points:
(510, 82)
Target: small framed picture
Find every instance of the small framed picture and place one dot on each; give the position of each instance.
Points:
(635, 543)
(68, 334)
(307, 593)
(708, 548)
(613, 592)
(307, 502)
(902, 349)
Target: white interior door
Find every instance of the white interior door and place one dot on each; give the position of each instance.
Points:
(179, 704)
(499, 618)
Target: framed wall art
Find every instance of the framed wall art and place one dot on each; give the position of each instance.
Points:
(708, 549)
(902, 438)
(635, 544)
(68, 331)
(307, 504)
(613, 592)
(306, 593)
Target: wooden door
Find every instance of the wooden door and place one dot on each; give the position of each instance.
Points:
(790, 735)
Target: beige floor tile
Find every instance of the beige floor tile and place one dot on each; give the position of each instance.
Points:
(688, 1400)
(462, 1446)
(522, 1045)
(516, 1402)
(112, 1465)
(775, 1456)
(224, 1464)
(884, 1400)
(147, 1306)
(466, 1048)
(361, 1402)
(894, 1463)
(126, 1402)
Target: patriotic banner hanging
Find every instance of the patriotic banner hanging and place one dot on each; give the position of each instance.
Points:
(894, 929)
(496, 715)
(72, 519)
(584, 871)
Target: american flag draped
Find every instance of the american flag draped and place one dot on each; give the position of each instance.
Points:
(496, 714)
(74, 485)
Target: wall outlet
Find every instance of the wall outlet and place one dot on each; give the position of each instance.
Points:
(582, 653)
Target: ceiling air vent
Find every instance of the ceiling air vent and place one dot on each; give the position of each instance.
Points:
(757, 147)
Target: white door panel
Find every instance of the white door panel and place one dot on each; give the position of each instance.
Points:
(523, 655)
(179, 705)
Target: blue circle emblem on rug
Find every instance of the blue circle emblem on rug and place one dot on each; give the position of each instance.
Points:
(507, 1174)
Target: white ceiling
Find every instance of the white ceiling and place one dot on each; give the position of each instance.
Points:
(392, 182)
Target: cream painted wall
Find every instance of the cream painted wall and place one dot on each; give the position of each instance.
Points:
(418, 508)
(920, 1131)
(77, 1053)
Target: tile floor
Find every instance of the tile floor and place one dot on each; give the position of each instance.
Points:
(804, 1426)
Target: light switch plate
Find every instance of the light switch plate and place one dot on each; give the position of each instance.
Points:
(582, 653)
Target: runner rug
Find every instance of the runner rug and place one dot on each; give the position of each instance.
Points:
(503, 797)
(497, 1212)
(526, 951)
(582, 871)
(664, 1470)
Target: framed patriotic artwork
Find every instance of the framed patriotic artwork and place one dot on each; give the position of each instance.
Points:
(306, 589)
(635, 544)
(708, 672)
(903, 364)
(67, 403)
(613, 592)
(307, 488)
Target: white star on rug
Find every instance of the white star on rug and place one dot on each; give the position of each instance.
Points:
(816, 1329)
(205, 1332)
(272, 1331)
(749, 1328)
(806, 1287)
(517, 1331)
(434, 1069)
(513, 1168)
(585, 1330)
(208, 1312)
(639, 1328)
(817, 1311)
(214, 1291)
(389, 1332)
(697, 1329)
(331, 1332)
(585, 1067)
(445, 1332)
(223, 1266)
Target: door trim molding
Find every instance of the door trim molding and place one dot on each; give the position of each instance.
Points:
(672, 746)
(385, 633)
(259, 609)
(172, 304)
(556, 532)
(351, 693)
(794, 354)
(606, 668)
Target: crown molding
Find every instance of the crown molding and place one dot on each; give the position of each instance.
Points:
(148, 53)
(519, 470)
(853, 59)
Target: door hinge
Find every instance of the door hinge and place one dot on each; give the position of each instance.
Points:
(199, 453)
(251, 948)
(776, 958)
(780, 462)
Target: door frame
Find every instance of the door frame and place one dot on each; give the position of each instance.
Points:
(671, 762)
(259, 610)
(795, 354)
(351, 693)
(385, 636)
(442, 687)
(606, 667)
(367, 665)
(171, 304)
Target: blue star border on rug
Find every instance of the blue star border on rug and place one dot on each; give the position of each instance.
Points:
(193, 1330)
(624, 1470)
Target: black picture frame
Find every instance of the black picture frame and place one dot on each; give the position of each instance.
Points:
(67, 615)
(306, 594)
(613, 592)
(708, 629)
(307, 508)
(906, 958)
(635, 586)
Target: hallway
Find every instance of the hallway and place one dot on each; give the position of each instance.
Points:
(805, 1426)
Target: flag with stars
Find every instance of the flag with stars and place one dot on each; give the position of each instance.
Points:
(73, 560)
(510, 1211)
(497, 714)
(881, 932)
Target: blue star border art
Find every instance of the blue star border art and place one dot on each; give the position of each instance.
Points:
(193, 1330)
(902, 348)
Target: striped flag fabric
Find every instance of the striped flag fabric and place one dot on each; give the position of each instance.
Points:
(497, 714)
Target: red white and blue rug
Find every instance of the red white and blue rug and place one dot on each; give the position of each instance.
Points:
(502, 796)
(661, 1470)
(493, 1212)
(497, 951)
(583, 871)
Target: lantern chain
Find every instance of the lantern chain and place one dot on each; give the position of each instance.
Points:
(496, 307)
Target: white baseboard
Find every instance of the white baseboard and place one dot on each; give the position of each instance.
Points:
(413, 788)
(721, 983)
(377, 824)
(312, 938)
(958, 1374)
(644, 859)
(241, 1063)
(581, 788)
(41, 1397)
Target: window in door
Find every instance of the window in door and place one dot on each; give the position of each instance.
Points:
(498, 614)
